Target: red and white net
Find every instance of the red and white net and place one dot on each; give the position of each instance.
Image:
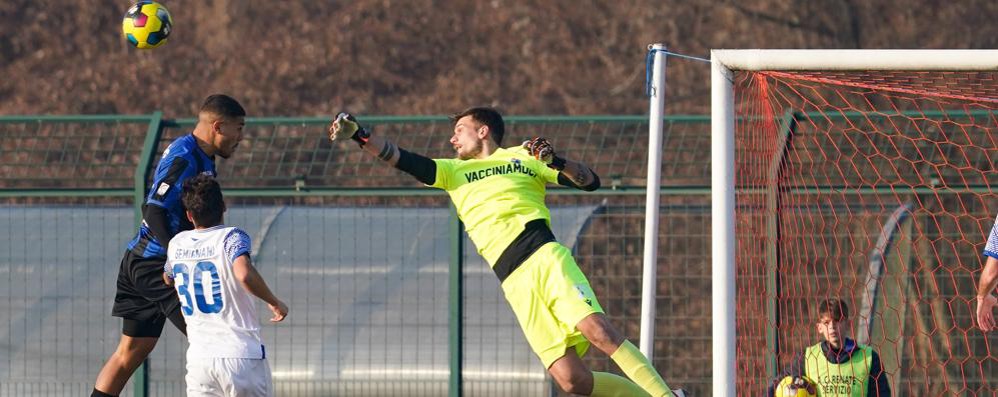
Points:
(877, 188)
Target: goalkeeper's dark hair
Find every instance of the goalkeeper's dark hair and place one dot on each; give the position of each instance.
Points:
(834, 308)
(223, 105)
(202, 196)
(488, 116)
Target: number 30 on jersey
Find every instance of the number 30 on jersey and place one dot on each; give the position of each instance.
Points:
(203, 277)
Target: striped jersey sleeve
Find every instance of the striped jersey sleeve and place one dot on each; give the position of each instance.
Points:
(236, 243)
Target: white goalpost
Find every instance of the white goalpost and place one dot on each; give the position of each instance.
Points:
(723, 65)
(656, 91)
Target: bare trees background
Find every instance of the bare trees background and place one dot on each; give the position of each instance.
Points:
(430, 56)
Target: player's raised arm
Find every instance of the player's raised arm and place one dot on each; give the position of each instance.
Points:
(571, 173)
(346, 126)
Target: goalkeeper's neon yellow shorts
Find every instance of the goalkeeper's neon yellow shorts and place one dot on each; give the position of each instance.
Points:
(549, 296)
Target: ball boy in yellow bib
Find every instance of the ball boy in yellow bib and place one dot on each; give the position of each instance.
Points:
(838, 365)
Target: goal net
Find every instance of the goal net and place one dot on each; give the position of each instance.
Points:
(876, 187)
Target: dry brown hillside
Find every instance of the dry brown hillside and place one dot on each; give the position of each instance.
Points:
(430, 56)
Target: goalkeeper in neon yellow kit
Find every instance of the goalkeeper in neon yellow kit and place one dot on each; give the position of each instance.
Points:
(499, 195)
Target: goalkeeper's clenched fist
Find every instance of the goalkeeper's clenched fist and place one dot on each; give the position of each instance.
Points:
(346, 126)
(542, 150)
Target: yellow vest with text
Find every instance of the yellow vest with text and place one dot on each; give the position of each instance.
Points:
(850, 378)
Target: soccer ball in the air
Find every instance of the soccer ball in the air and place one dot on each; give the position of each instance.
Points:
(147, 24)
(796, 386)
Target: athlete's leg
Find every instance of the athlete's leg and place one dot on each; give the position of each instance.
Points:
(605, 337)
(598, 330)
(130, 353)
(138, 337)
(571, 374)
(137, 341)
(556, 308)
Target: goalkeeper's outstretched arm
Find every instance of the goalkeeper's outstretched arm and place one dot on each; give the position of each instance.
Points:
(421, 167)
(581, 176)
(571, 173)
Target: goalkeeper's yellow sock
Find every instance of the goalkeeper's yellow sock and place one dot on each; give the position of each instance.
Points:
(610, 385)
(636, 366)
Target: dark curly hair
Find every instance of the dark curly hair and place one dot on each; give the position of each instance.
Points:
(202, 196)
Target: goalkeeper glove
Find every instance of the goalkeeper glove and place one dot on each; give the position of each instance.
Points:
(542, 150)
(345, 125)
(803, 383)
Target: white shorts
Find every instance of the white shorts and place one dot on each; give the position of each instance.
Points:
(229, 377)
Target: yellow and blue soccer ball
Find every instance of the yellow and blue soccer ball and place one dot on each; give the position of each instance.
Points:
(796, 386)
(147, 24)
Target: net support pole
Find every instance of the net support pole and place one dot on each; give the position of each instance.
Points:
(722, 180)
(876, 270)
(455, 307)
(140, 379)
(648, 274)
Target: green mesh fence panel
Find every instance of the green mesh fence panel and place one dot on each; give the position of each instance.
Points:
(78, 152)
(285, 153)
(68, 211)
(297, 194)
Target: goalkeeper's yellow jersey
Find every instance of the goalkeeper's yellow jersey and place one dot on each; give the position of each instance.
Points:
(496, 196)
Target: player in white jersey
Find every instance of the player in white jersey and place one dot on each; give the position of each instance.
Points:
(211, 270)
(986, 300)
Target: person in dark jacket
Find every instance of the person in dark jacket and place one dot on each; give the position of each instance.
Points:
(839, 365)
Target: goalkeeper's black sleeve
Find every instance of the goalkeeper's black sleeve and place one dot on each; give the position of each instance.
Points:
(156, 219)
(423, 168)
(564, 181)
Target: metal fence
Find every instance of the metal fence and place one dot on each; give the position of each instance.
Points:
(404, 305)
(380, 312)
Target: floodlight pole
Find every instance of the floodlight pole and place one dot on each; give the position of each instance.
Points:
(648, 274)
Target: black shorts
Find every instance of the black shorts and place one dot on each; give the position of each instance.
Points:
(142, 296)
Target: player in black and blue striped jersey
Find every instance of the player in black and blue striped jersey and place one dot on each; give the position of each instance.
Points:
(183, 159)
(143, 300)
